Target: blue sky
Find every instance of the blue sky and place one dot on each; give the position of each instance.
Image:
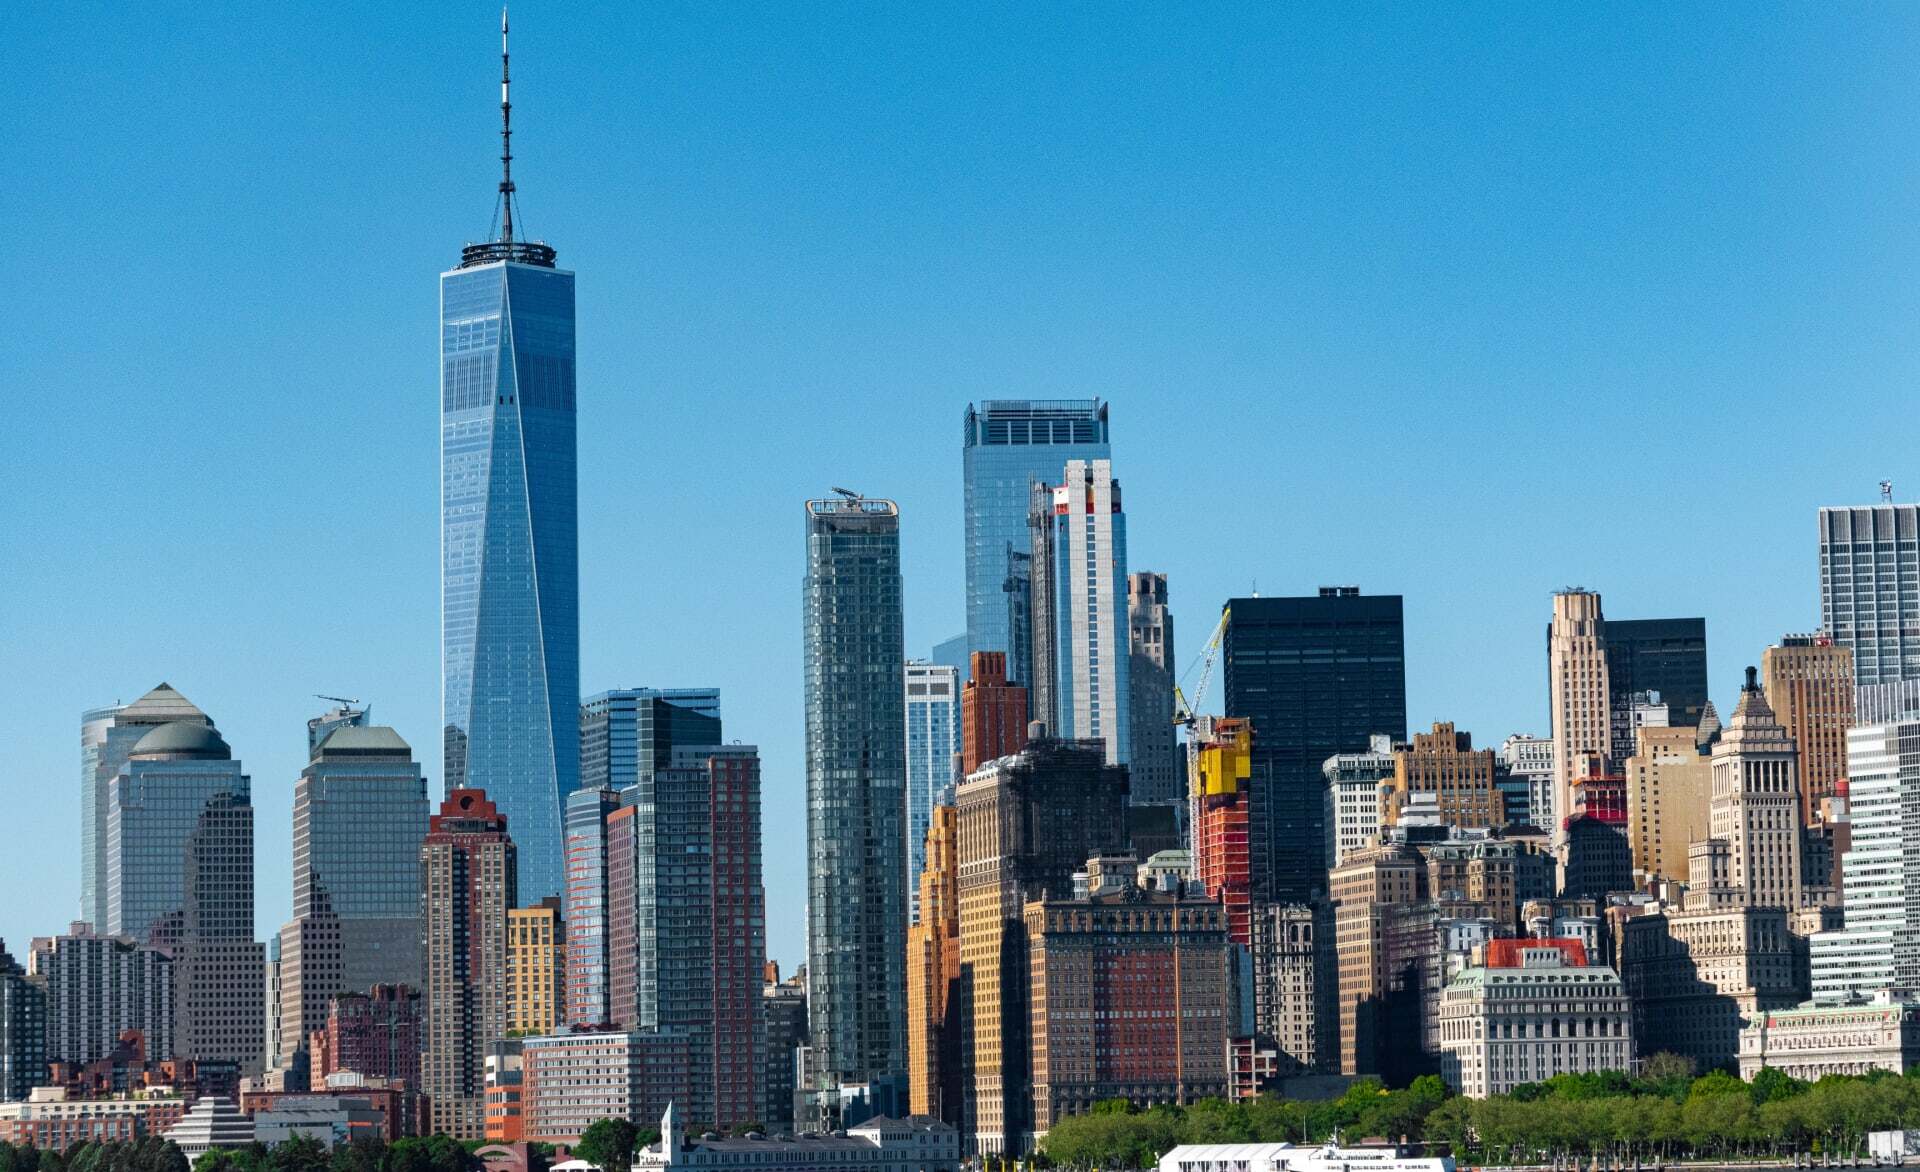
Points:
(1462, 302)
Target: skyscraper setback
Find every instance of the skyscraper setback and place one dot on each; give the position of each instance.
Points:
(509, 546)
(854, 654)
(1009, 444)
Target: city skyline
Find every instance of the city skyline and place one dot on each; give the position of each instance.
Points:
(351, 605)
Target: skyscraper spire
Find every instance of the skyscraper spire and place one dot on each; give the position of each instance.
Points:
(506, 140)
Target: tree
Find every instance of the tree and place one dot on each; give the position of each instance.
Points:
(608, 1145)
(302, 1153)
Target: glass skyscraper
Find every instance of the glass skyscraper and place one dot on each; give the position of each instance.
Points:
(854, 654)
(626, 732)
(933, 737)
(510, 625)
(107, 735)
(1009, 444)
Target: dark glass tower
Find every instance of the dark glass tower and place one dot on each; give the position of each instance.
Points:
(1316, 676)
(1668, 656)
(509, 546)
(854, 650)
(1009, 444)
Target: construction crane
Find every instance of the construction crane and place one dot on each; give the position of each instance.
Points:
(336, 699)
(1183, 713)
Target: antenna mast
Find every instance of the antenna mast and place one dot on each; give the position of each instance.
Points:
(506, 139)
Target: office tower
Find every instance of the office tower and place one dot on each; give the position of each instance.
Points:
(1221, 772)
(377, 1034)
(1366, 889)
(1578, 689)
(1316, 676)
(509, 533)
(933, 971)
(1664, 656)
(1879, 948)
(467, 880)
(856, 793)
(1459, 778)
(1084, 593)
(219, 969)
(627, 732)
(1293, 988)
(1019, 591)
(536, 968)
(1870, 588)
(99, 987)
(1009, 444)
(1669, 788)
(359, 811)
(1041, 661)
(933, 739)
(343, 714)
(1157, 765)
(23, 1030)
(107, 735)
(686, 921)
(1025, 824)
(1100, 971)
(1756, 802)
(586, 967)
(783, 1006)
(993, 713)
(1808, 680)
(1529, 765)
(1353, 806)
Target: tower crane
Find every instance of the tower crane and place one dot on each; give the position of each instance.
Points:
(1183, 713)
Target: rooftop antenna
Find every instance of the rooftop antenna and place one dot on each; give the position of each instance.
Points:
(506, 140)
(1886, 492)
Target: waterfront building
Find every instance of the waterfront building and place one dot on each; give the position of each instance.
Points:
(1536, 1009)
(881, 1144)
(1353, 787)
(1009, 444)
(52, 1120)
(1102, 1025)
(1025, 825)
(934, 986)
(98, 988)
(1808, 680)
(1870, 588)
(571, 1081)
(23, 1030)
(1460, 778)
(509, 535)
(467, 868)
(1814, 1040)
(1084, 594)
(1878, 949)
(211, 1123)
(1316, 676)
(1669, 789)
(1156, 761)
(933, 743)
(853, 650)
(1284, 1157)
(536, 968)
(993, 713)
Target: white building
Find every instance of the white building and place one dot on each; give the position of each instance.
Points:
(1533, 1011)
(1815, 1040)
(1292, 1158)
(1870, 588)
(1529, 761)
(1089, 598)
(1876, 950)
(915, 1144)
(933, 737)
(209, 1124)
(1353, 797)
(1755, 808)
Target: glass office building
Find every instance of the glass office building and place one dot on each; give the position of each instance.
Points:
(933, 737)
(173, 785)
(1009, 444)
(854, 655)
(625, 732)
(107, 735)
(510, 626)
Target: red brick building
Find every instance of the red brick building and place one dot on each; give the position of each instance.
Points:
(993, 712)
(376, 1034)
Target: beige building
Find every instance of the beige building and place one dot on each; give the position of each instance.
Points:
(1580, 699)
(1534, 1010)
(1756, 807)
(1292, 994)
(536, 968)
(933, 976)
(1809, 685)
(1814, 1040)
(1669, 790)
(1365, 890)
(1444, 764)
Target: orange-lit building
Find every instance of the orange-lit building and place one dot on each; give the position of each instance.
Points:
(1222, 766)
(993, 712)
(933, 976)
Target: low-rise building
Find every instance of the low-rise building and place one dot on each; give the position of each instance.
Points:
(1814, 1040)
(212, 1123)
(571, 1081)
(1535, 1009)
(881, 1144)
(51, 1119)
(1281, 1157)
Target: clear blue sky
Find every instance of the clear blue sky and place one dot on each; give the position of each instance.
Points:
(1467, 303)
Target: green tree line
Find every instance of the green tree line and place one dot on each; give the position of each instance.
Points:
(1665, 1114)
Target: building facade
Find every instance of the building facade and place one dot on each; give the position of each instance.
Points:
(853, 645)
(378, 1034)
(509, 544)
(1756, 807)
(993, 713)
(1009, 444)
(626, 733)
(98, 988)
(1578, 688)
(1157, 764)
(1812, 1041)
(23, 1030)
(1870, 588)
(1294, 982)
(1808, 681)
(467, 880)
(1536, 1009)
(1460, 779)
(536, 968)
(933, 973)
(571, 1081)
(1528, 761)
(107, 736)
(1353, 798)
(933, 742)
(1879, 948)
(586, 975)
(1669, 790)
(1667, 657)
(1317, 676)
(1086, 598)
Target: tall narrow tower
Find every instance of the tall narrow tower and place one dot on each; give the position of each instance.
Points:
(509, 547)
(1579, 693)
